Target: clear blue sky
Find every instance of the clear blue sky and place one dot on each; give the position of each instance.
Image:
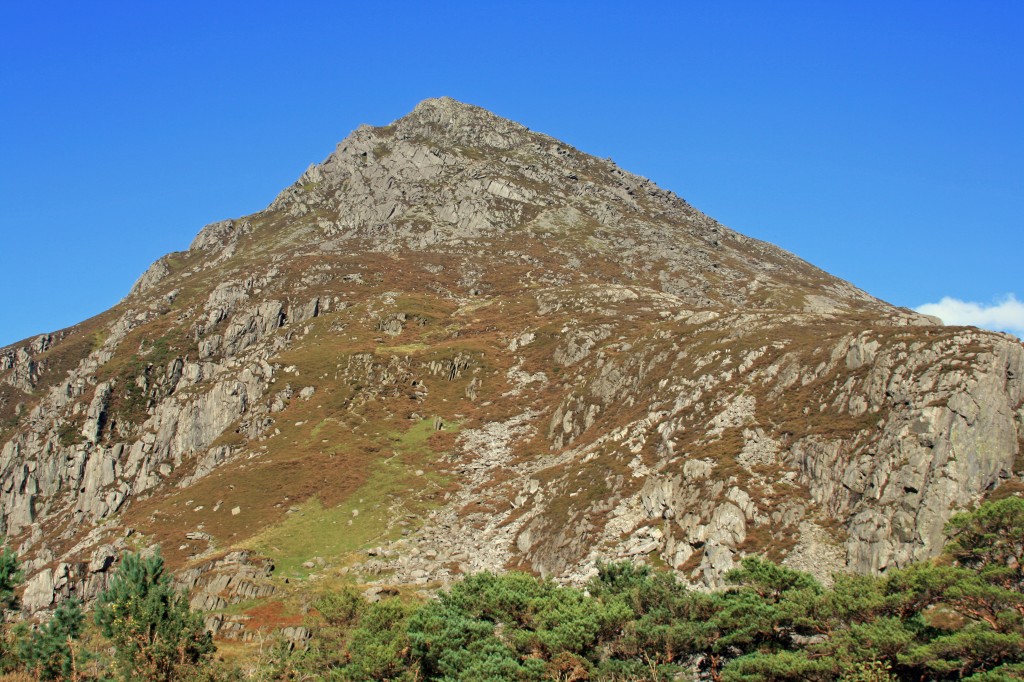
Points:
(882, 141)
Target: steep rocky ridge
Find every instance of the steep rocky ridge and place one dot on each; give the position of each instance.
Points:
(458, 344)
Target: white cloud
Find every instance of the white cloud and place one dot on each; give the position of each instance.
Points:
(1005, 316)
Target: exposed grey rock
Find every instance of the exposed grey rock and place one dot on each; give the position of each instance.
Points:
(816, 553)
(38, 591)
(220, 234)
(97, 412)
(151, 277)
(233, 578)
(23, 370)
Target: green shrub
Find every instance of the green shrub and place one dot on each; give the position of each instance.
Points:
(155, 635)
(48, 650)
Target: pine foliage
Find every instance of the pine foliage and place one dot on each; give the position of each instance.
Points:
(48, 652)
(10, 578)
(155, 635)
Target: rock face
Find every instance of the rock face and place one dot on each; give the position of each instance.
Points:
(456, 345)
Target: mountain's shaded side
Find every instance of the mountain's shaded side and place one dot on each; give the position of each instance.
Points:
(457, 344)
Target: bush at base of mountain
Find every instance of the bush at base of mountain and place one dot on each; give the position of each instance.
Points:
(49, 650)
(10, 578)
(960, 617)
(155, 635)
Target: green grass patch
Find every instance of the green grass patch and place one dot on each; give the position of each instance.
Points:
(368, 516)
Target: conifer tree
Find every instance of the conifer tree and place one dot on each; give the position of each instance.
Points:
(47, 651)
(10, 578)
(990, 540)
(155, 635)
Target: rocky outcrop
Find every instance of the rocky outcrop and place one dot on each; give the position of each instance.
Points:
(19, 365)
(220, 235)
(233, 578)
(151, 277)
(714, 465)
(952, 434)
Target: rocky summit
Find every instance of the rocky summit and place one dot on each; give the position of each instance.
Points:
(456, 345)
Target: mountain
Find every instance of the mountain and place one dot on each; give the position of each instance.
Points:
(457, 344)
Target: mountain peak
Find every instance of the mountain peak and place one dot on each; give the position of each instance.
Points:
(454, 178)
(447, 120)
(448, 108)
(447, 105)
